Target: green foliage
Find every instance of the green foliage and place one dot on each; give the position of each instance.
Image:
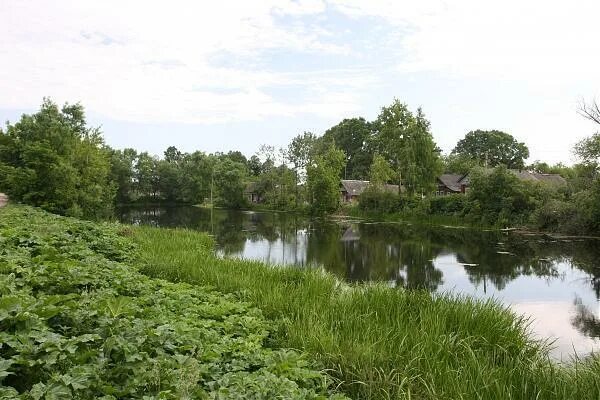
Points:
(377, 341)
(404, 139)
(454, 204)
(459, 164)
(500, 198)
(53, 160)
(381, 172)
(323, 181)
(77, 320)
(588, 149)
(352, 137)
(379, 202)
(492, 148)
(229, 179)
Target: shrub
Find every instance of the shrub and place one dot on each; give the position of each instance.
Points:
(380, 202)
(453, 204)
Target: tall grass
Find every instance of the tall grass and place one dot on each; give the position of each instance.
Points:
(379, 342)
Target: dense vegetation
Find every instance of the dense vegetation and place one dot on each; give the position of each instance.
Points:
(379, 342)
(78, 321)
(53, 160)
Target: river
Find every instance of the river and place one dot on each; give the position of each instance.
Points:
(555, 283)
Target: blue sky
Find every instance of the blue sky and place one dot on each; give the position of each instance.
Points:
(216, 76)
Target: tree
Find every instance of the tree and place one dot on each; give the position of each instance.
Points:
(298, 153)
(492, 148)
(588, 149)
(323, 180)
(146, 176)
(229, 180)
(458, 164)
(51, 159)
(499, 197)
(381, 172)
(352, 137)
(122, 174)
(255, 165)
(196, 177)
(405, 141)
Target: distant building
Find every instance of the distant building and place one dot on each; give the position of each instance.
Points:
(251, 193)
(350, 190)
(460, 183)
(451, 184)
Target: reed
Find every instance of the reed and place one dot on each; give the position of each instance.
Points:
(376, 341)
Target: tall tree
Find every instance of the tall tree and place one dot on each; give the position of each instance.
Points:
(53, 160)
(122, 174)
(229, 180)
(405, 141)
(352, 137)
(492, 148)
(381, 172)
(323, 180)
(298, 153)
(146, 177)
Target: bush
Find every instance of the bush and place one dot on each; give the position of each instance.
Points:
(380, 202)
(453, 204)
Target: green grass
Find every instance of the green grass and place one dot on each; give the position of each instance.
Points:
(379, 342)
(78, 321)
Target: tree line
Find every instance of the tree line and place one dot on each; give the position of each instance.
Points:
(54, 160)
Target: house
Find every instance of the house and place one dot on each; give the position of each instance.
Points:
(457, 183)
(350, 190)
(251, 193)
(451, 184)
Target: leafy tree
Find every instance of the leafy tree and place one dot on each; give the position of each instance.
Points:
(122, 174)
(381, 172)
(51, 159)
(298, 153)
(458, 164)
(405, 141)
(196, 177)
(492, 148)
(323, 180)
(352, 137)
(499, 197)
(255, 165)
(229, 180)
(146, 176)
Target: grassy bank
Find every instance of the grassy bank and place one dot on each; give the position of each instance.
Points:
(78, 321)
(380, 342)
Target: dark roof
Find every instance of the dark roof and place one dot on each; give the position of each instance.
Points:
(451, 181)
(355, 188)
(549, 179)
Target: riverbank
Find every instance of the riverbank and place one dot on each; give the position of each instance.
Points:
(77, 320)
(380, 342)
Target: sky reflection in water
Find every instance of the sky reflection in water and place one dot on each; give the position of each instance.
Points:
(556, 282)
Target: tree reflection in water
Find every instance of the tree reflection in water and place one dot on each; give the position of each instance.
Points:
(584, 320)
(403, 255)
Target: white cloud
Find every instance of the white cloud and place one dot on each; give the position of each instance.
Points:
(201, 62)
(140, 60)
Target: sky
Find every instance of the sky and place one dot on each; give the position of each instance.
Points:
(232, 75)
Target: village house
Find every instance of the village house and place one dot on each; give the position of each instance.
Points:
(251, 193)
(459, 183)
(350, 190)
(451, 184)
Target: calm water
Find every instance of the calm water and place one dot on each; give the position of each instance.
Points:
(556, 282)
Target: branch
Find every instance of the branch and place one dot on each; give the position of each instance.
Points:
(591, 111)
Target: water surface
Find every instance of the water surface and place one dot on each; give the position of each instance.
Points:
(555, 282)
